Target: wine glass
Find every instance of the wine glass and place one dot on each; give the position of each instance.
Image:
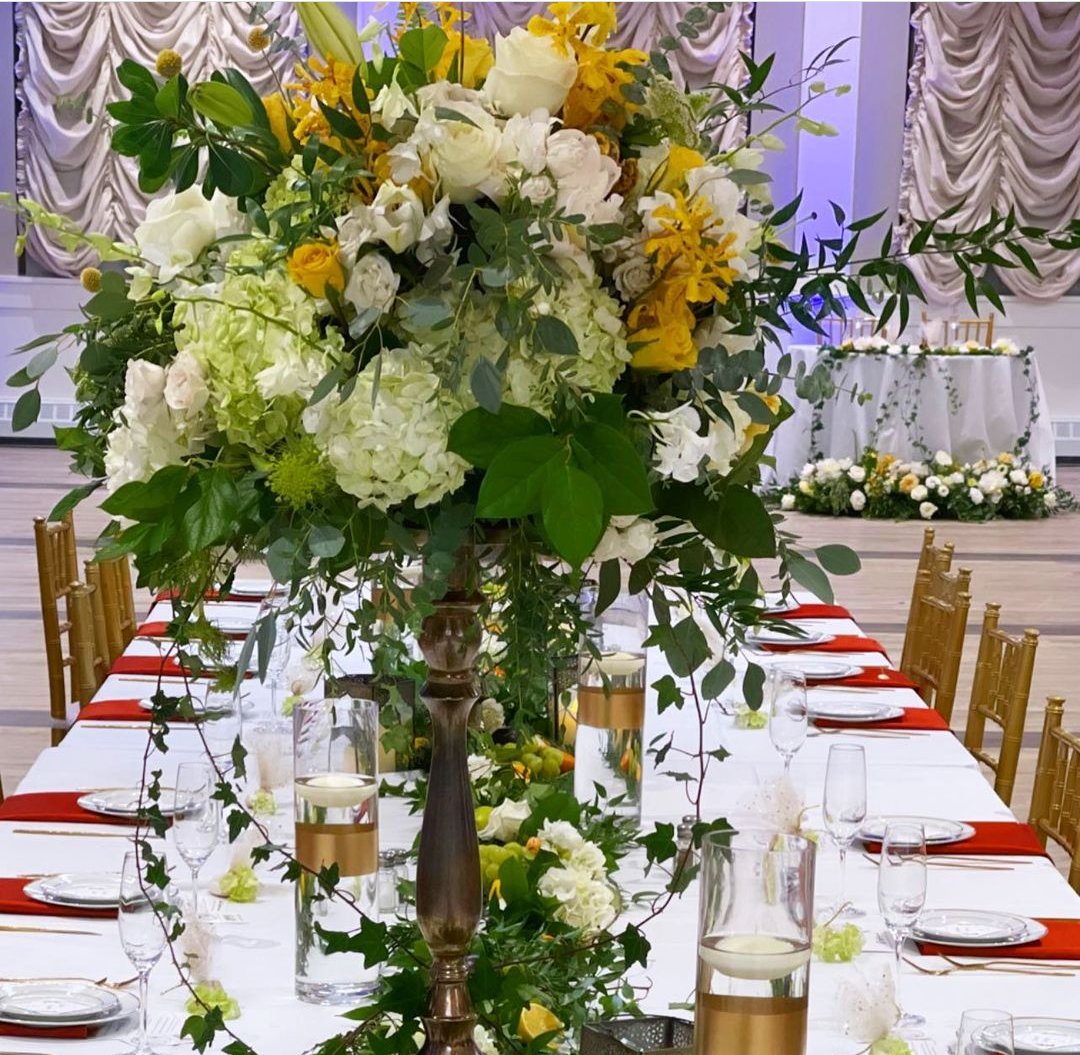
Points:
(901, 891)
(142, 932)
(196, 820)
(844, 808)
(785, 696)
(278, 660)
(974, 1027)
(220, 725)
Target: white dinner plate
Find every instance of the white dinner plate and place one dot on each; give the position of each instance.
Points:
(63, 1003)
(79, 890)
(938, 831)
(858, 712)
(247, 705)
(819, 669)
(122, 802)
(256, 588)
(771, 635)
(776, 605)
(231, 624)
(1034, 1036)
(976, 929)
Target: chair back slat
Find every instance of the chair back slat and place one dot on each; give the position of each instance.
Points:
(102, 657)
(930, 557)
(58, 568)
(1055, 798)
(117, 603)
(83, 647)
(999, 694)
(938, 642)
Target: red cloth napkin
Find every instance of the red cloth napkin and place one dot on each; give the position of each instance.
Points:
(869, 678)
(13, 900)
(113, 711)
(991, 837)
(912, 718)
(152, 666)
(159, 629)
(51, 806)
(812, 611)
(8, 1029)
(1062, 942)
(840, 643)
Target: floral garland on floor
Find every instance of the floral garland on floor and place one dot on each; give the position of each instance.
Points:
(882, 486)
(903, 397)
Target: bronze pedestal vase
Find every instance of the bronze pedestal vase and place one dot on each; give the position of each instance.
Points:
(448, 893)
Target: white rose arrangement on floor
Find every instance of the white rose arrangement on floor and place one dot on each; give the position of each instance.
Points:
(882, 486)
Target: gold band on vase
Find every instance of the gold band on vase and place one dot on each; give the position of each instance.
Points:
(354, 848)
(616, 709)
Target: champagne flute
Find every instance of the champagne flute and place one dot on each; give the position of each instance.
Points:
(221, 724)
(844, 808)
(142, 933)
(979, 1026)
(196, 820)
(278, 661)
(901, 891)
(785, 696)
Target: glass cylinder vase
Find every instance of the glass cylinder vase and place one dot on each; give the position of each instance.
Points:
(609, 744)
(336, 797)
(755, 935)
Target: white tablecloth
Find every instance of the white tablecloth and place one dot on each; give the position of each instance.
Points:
(926, 774)
(993, 410)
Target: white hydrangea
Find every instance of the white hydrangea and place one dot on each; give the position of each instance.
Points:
(560, 837)
(627, 538)
(391, 447)
(585, 903)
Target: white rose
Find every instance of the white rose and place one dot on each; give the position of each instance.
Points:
(955, 478)
(397, 216)
(933, 482)
(372, 284)
(807, 470)
(943, 492)
(1018, 477)
(991, 482)
(178, 227)
(141, 283)
(537, 189)
(857, 474)
(436, 232)
(583, 174)
(976, 496)
(943, 459)
(918, 492)
(787, 502)
(464, 154)
(627, 538)
(524, 141)
(505, 820)
(858, 501)
(927, 510)
(530, 73)
(480, 766)
(633, 276)
(144, 384)
(185, 386)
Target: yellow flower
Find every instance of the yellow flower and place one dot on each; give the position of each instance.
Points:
(573, 23)
(884, 461)
(755, 428)
(314, 265)
(331, 84)
(1036, 479)
(907, 482)
(258, 39)
(473, 68)
(661, 333)
(596, 96)
(278, 116)
(90, 277)
(680, 161)
(1005, 458)
(169, 63)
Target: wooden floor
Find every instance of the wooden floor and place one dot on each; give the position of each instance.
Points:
(1032, 568)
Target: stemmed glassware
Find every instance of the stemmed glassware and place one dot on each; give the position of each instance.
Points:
(785, 697)
(196, 820)
(980, 1027)
(142, 933)
(220, 723)
(902, 892)
(280, 655)
(844, 808)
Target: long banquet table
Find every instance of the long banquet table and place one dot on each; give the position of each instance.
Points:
(925, 773)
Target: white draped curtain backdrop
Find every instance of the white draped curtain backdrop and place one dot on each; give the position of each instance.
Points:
(993, 121)
(66, 73)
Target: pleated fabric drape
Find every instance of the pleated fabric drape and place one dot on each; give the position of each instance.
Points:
(993, 121)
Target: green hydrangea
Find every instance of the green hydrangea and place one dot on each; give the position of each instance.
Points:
(838, 944)
(677, 112)
(239, 884)
(890, 1046)
(255, 335)
(262, 803)
(748, 719)
(210, 995)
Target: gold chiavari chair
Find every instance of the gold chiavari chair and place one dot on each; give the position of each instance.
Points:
(838, 330)
(999, 694)
(1055, 799)
(85, 660)
(938, 640)
(116, 602)
(930, 556)
(103, 658)
(58, 568)
(956, 331)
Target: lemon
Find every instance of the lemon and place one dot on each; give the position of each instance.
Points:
(535, 1021)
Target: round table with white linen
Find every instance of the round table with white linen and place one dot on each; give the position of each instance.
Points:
(973, 406)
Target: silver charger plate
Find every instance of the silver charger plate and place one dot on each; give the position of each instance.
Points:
(767, 635)
(78, 890)
(820, 669)
(857, 712)
(976, 929)
(62, 1003)
(938, 831)
(122, 802)
(1034, 1036)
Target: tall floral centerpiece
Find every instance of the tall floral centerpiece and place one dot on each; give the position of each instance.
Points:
(433, 299)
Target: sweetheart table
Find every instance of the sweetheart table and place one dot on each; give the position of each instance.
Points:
(923, 773)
